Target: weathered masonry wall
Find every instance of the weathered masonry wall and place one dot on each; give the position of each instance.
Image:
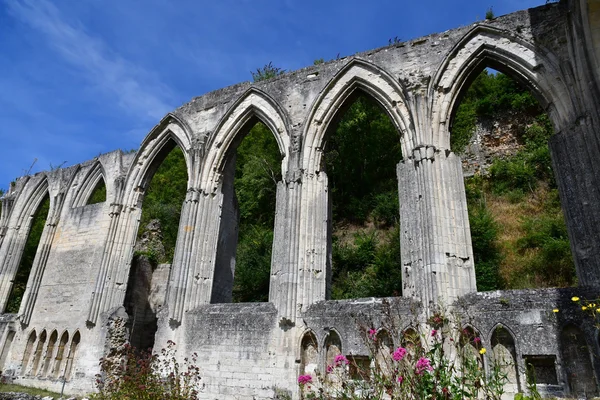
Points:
(80, 274)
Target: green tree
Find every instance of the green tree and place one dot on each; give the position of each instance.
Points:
(164, 198)
(258, 169)
(360, 160)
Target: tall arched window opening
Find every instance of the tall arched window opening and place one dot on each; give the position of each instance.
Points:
(251, 174)
(98, 193)
(155, 247)
(518, 231)
(31, 246)
(361, 154)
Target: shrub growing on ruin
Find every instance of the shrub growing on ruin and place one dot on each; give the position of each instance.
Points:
(128, 373)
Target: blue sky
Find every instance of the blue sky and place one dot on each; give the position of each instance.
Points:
(84, 77)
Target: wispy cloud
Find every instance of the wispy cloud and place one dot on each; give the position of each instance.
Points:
(135, 89)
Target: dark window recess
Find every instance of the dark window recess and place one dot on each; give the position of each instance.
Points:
(541, 369)
(360, 367)
(98, 194)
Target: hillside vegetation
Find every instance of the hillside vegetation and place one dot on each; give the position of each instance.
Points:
(517, 226)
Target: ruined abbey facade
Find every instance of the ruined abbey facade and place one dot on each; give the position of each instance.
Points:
(81, 272)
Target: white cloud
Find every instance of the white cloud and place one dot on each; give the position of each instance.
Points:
(135, 89)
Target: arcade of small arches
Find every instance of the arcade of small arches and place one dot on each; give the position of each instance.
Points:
(47, 357)
(417, 87)
(317, 355)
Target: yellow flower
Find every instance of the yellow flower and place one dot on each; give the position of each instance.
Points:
(555, 310)
(583, 308)
(575, 298)
(482, 351)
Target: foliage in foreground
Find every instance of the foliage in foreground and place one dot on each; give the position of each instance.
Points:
(127, 373)
(422, 367)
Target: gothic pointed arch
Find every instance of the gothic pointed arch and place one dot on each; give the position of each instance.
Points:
(504, 356)
(384, 346)
(486, 46)
(60, 355)
(253, 103)
(126, 209)
(356, 75)
(471, 344)
(49, 354)
(12, 252)
(37, 195)
(72, 352)
(28, 353)
(92, 180)
(332, 346)
(309, 353)
(37, 357)
(170, 132)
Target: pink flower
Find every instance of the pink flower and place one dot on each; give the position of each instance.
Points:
(330, 368)
(400, 379)
(433, 332)
(341, 359)
(373, 333)
(304, 379)
(399, 354)
(423, 364)
(477, 340)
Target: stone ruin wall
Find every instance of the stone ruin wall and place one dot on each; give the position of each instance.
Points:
(78, 283)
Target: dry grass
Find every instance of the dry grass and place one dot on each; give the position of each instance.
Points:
(515, 269)
(11, 387)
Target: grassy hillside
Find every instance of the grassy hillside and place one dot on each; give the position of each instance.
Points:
(518, 230)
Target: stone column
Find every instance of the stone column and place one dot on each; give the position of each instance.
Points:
(192, 272)
(97, 294)
(576, 162)
(283, 286)
(184, 252)
(314, 266)
(224, 267)
(435, 238)
(119, 265)
(7, 204)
